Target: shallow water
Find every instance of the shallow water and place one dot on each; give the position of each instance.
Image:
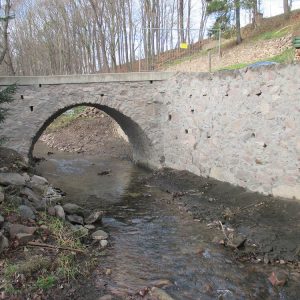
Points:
(150, 238)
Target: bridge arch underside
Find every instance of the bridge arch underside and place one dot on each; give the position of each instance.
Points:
(141, 144)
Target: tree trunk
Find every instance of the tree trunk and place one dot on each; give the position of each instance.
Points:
(286, 8)
(5, 31)
(238, 21)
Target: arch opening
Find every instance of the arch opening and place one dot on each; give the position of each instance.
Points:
(139, 142)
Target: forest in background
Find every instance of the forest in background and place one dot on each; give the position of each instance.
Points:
(47, 37)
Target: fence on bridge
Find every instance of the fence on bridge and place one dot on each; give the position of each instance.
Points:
(160, 48)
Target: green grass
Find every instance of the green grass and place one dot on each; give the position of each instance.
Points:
(46, 282)
(234, 67)
(66, 118)
(286, 56)
(275, 34)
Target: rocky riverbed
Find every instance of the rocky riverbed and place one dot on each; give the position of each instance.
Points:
(43, 245)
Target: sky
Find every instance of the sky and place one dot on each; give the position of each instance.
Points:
(270, 8)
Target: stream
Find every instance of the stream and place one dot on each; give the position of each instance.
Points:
(151, 239)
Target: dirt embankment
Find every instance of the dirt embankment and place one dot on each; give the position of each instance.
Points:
(92, 132)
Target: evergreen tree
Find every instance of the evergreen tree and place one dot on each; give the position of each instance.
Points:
(6, 96)
(225, 11)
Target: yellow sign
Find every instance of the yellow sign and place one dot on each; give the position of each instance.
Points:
(183, 45)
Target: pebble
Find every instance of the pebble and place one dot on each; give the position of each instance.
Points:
(90, 227)
(103, 243)
(106, 297)
(99, 235)
(59, 212)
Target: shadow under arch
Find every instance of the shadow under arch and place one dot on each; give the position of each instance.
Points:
(141, 144)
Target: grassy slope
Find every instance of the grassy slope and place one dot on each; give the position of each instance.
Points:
(272, 29)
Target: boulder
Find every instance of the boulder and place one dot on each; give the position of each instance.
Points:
(99, 235)
(14, 229)
(73, 209)
(31, 195)
(12, 179)
(75, 219)
(94, 217)
(59, 212)
(4, 244)
(26, 212)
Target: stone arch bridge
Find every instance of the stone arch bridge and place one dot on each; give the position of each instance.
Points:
(242, 127)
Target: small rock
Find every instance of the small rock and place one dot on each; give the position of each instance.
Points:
(38, 180)
(51, 211)
(94, 217)
(12, 179)
(14, 229)
(99, 235)
(4, 244)
(59, 212)
(73, 209)
(106, 297)
(26, 212)
(278, 278)
(161, 283)
(266, 259)
(90, 227)
(103, 243)
(24, 238)
(108, 272)
(160, 294)
(75, 219)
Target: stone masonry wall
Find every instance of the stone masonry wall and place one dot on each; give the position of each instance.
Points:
(132, 105)
(242, 127)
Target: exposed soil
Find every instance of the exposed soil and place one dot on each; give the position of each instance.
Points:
(92, 132)
(269, 225)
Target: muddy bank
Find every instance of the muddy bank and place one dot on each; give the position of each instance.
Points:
(267, 228)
